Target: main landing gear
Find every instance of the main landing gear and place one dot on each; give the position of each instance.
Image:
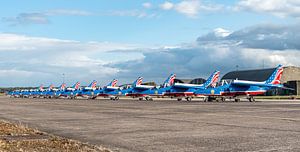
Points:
(237, 100)
(149, 99)
(186, 98)
(146, 98)
(251, 99)
(209, 99)
(114, 98)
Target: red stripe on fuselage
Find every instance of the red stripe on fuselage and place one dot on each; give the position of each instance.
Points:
(242, 93)
(103, 95)
(136, 95)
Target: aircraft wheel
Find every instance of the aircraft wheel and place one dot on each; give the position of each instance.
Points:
(148, 99)
(179, 99)
(140, 99)
(237, 100)
(251, 99)
(188, 99)
(223, 99)
(210, 99)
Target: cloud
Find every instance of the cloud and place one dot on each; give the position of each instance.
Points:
(45, 59)
(219, 50)
(15, 42)
(167, 5)
(42, 17)
(68, 12)
(281, 8)
(190, 8)
(27, 18)
(267, 36)
(147, 5)
(201, 61)
(132, 13)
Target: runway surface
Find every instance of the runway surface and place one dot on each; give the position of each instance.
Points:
(131, 125)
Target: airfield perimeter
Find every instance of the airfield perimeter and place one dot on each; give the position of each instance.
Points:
(131, 125)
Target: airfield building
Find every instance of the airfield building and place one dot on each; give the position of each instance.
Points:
(191, 81)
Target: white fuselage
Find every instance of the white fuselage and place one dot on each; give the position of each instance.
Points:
(144, 86)
(248, 82)
(186, 85)
(112, 88)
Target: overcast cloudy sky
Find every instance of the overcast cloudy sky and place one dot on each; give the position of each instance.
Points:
(102, 40)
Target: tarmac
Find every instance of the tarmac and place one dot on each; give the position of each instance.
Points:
(164, 125)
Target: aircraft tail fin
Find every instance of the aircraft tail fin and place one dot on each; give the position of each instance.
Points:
(62, 86)
(113, 83)
(212, 80)
(170, 80)
(276, 76)
(76, 85)
(51, 87)
(41, 87)
(93, 84)
(138, 81)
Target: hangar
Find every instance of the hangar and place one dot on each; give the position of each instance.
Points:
(191, 81)
(290, 78)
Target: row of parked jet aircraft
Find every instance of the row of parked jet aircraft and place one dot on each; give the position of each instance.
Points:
(210, 90)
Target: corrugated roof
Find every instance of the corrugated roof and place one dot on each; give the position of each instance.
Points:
(251, 75)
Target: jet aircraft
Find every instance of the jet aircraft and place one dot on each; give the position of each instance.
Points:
(111, 90)
(146, 91)
(72, 92)
(184, 90)
(89, 90)
(240, 88)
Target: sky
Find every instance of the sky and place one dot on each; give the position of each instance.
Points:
(48, 41)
